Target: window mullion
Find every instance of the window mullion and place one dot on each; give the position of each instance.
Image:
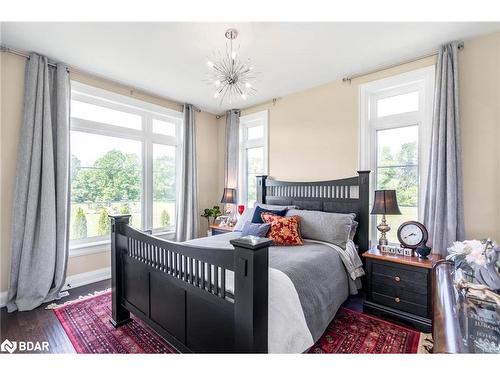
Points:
(147, 204)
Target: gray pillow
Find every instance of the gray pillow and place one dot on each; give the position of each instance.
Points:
(247, 216)
(258, 230)
(329, 227)
(354, 228)
(275, 206)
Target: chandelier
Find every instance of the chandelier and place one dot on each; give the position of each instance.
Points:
(231, 77)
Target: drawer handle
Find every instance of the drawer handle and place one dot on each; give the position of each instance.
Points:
(397, 279)
(397, 300)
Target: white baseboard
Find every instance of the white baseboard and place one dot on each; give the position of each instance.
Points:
(85, 278)
(74, 281)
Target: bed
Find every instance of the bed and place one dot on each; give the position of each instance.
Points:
(229, 293)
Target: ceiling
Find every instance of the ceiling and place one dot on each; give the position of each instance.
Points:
(169, 58)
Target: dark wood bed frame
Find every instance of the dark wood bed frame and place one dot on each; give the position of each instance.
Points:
(180, 290)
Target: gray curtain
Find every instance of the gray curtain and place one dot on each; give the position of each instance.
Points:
(40, 213)
(444, 207)
(231, 158)
(187, 203)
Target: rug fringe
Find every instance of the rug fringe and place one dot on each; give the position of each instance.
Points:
(425, 344)
(54, 305)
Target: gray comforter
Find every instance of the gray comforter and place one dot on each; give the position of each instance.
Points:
(316, 271)
(319, 277)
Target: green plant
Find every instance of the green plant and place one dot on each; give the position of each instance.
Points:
(104, 225)
(80, 224)
(164, 219)
(125, 208)
(214, 212)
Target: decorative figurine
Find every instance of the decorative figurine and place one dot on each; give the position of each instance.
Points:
(423, 251)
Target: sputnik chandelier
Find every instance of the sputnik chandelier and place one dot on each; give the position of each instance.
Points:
(231, 77)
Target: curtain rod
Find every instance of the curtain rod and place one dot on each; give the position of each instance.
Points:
(385, 67)
(69, 69)
(273, 100)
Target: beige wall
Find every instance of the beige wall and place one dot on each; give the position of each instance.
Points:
(480, 116)
(12, 87)
(313, 134)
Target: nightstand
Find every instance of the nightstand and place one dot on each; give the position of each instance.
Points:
(220, 229)
(400, 287)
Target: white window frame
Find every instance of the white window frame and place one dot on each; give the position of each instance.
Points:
(421, 80)
(246, 122)
(148, 112)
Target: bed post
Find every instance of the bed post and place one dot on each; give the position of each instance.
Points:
(119, 315)
(251, 294)
(364, 199)
(261, 189)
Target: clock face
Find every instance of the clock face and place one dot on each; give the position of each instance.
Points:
(411, 234)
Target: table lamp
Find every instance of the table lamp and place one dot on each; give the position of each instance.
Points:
(385, 203)
(229, 197)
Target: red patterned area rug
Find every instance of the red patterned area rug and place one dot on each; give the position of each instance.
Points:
(352, 332)
(86, 322)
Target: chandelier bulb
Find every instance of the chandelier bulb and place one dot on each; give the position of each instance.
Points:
(244, 96)
(217, 83)
(248, 85)
(210, 64)
(216, 95)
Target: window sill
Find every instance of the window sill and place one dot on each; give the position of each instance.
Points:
(105, 246)
(89, 248)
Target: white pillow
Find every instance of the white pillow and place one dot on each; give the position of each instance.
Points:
(247, 216)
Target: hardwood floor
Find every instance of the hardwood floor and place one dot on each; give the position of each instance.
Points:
(42, 325)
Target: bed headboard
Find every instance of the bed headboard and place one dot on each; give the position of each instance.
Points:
(343, 196)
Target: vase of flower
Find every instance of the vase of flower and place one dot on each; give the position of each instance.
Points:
(477, 262)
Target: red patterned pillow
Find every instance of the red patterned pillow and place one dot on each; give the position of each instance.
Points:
(284, 230)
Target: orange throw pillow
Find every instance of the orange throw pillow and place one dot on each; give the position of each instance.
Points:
(284, 230)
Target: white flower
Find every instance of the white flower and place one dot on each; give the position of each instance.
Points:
(473, 251)
(477, 258)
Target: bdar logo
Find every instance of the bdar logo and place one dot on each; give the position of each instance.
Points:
(8, 346)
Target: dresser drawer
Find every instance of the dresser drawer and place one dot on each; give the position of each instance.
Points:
(399, 291)
(400, 304)
(400, 281)
(412, 276)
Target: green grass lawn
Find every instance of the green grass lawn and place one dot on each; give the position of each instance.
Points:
(92, 213)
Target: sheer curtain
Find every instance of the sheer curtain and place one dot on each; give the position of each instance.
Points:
(231, 160)
(444, 207)
(187, 203)
(40, 215)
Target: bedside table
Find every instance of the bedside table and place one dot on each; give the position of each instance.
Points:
(220, 229)
(400, 287)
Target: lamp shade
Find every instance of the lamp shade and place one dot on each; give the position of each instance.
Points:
(229, 196)
(385, 203)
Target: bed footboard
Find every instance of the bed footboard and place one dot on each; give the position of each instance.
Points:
(185, 293)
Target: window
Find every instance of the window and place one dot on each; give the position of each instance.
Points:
(124, 159)
(253, 155)
(394, 141)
